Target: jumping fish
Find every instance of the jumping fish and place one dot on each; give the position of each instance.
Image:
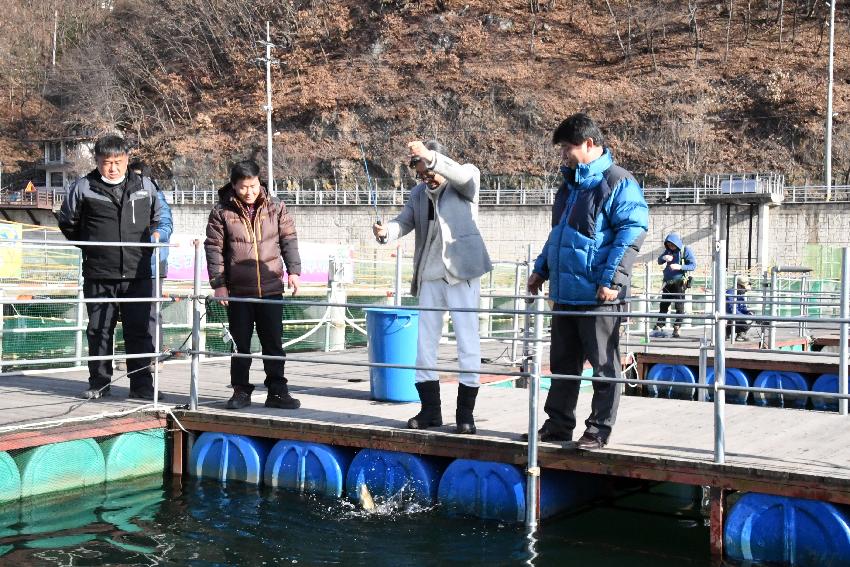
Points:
(366, 501)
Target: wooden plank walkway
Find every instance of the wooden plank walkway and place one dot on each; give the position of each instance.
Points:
(781, 451)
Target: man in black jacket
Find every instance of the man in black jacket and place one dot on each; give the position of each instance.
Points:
(111, 205)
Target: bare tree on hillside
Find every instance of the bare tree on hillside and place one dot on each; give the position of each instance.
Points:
(694, 25)
(728, 31)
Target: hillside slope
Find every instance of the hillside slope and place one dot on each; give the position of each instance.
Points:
(491, 79)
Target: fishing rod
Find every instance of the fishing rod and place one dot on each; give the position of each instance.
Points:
(372, 193)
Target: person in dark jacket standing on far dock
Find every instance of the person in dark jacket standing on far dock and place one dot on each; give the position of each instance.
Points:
(250, 236)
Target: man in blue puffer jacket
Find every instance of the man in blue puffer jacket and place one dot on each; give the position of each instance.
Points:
(588, 257)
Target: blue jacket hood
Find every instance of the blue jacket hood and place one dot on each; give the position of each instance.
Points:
(675, 239)
(587, 175)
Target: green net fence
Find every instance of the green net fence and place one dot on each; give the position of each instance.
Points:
(31, 329)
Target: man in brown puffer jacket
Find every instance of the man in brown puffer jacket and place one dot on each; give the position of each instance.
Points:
(249, 238)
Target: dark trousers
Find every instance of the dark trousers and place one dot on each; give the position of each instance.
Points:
(672, 293)
(575, 340)
(268, 318)
(738, 326)
(135, 320)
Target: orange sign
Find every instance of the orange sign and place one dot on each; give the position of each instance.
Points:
(30, 188)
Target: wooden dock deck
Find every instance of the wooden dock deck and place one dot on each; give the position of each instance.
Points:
(779, 451)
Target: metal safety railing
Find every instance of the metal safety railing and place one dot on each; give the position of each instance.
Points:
(496, 191)
(531, 337)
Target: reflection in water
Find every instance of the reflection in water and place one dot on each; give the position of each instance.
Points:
(197, 522)
(58, 525)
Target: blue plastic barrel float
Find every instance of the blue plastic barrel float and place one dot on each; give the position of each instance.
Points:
(386, 473)
(790, 531)
(61, 466)
(734, 377)
(671, 373)
(784, 380)
(825, 383)
(393, 335)
(136, 453)
(229, 457)
(310, 468)
(496, 491)
(10, 479)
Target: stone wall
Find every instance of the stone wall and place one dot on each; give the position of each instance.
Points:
(509, 230)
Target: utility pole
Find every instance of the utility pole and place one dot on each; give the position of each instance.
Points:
(829, 85)
(269, 61)
(55, 30)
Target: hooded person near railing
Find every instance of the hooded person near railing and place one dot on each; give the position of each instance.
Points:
(601, 223)
(250, 235)
(736, 304)
(449, 259)
(111, 204)
(677, 260)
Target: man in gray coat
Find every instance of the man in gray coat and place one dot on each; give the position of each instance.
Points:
(449, 259)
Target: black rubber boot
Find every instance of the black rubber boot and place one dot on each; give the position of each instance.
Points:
(430, 414)
(465, 405)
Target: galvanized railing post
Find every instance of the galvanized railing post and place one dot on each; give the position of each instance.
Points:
(398, 257)
(702, 393)
(647, 325)
(719, 352)
(196, 329)
(157, 312)
(842, 334)
(774, 298)
(78, 334)
(532, 485)
(515, 316)
(804, 311)
(733, 335)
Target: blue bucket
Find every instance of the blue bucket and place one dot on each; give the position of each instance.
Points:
(671, 373)
(393, 335)
(786, 531)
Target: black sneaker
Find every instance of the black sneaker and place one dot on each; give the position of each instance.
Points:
(240, 399)
(282, 402)
(145, 394)
(95, 393)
